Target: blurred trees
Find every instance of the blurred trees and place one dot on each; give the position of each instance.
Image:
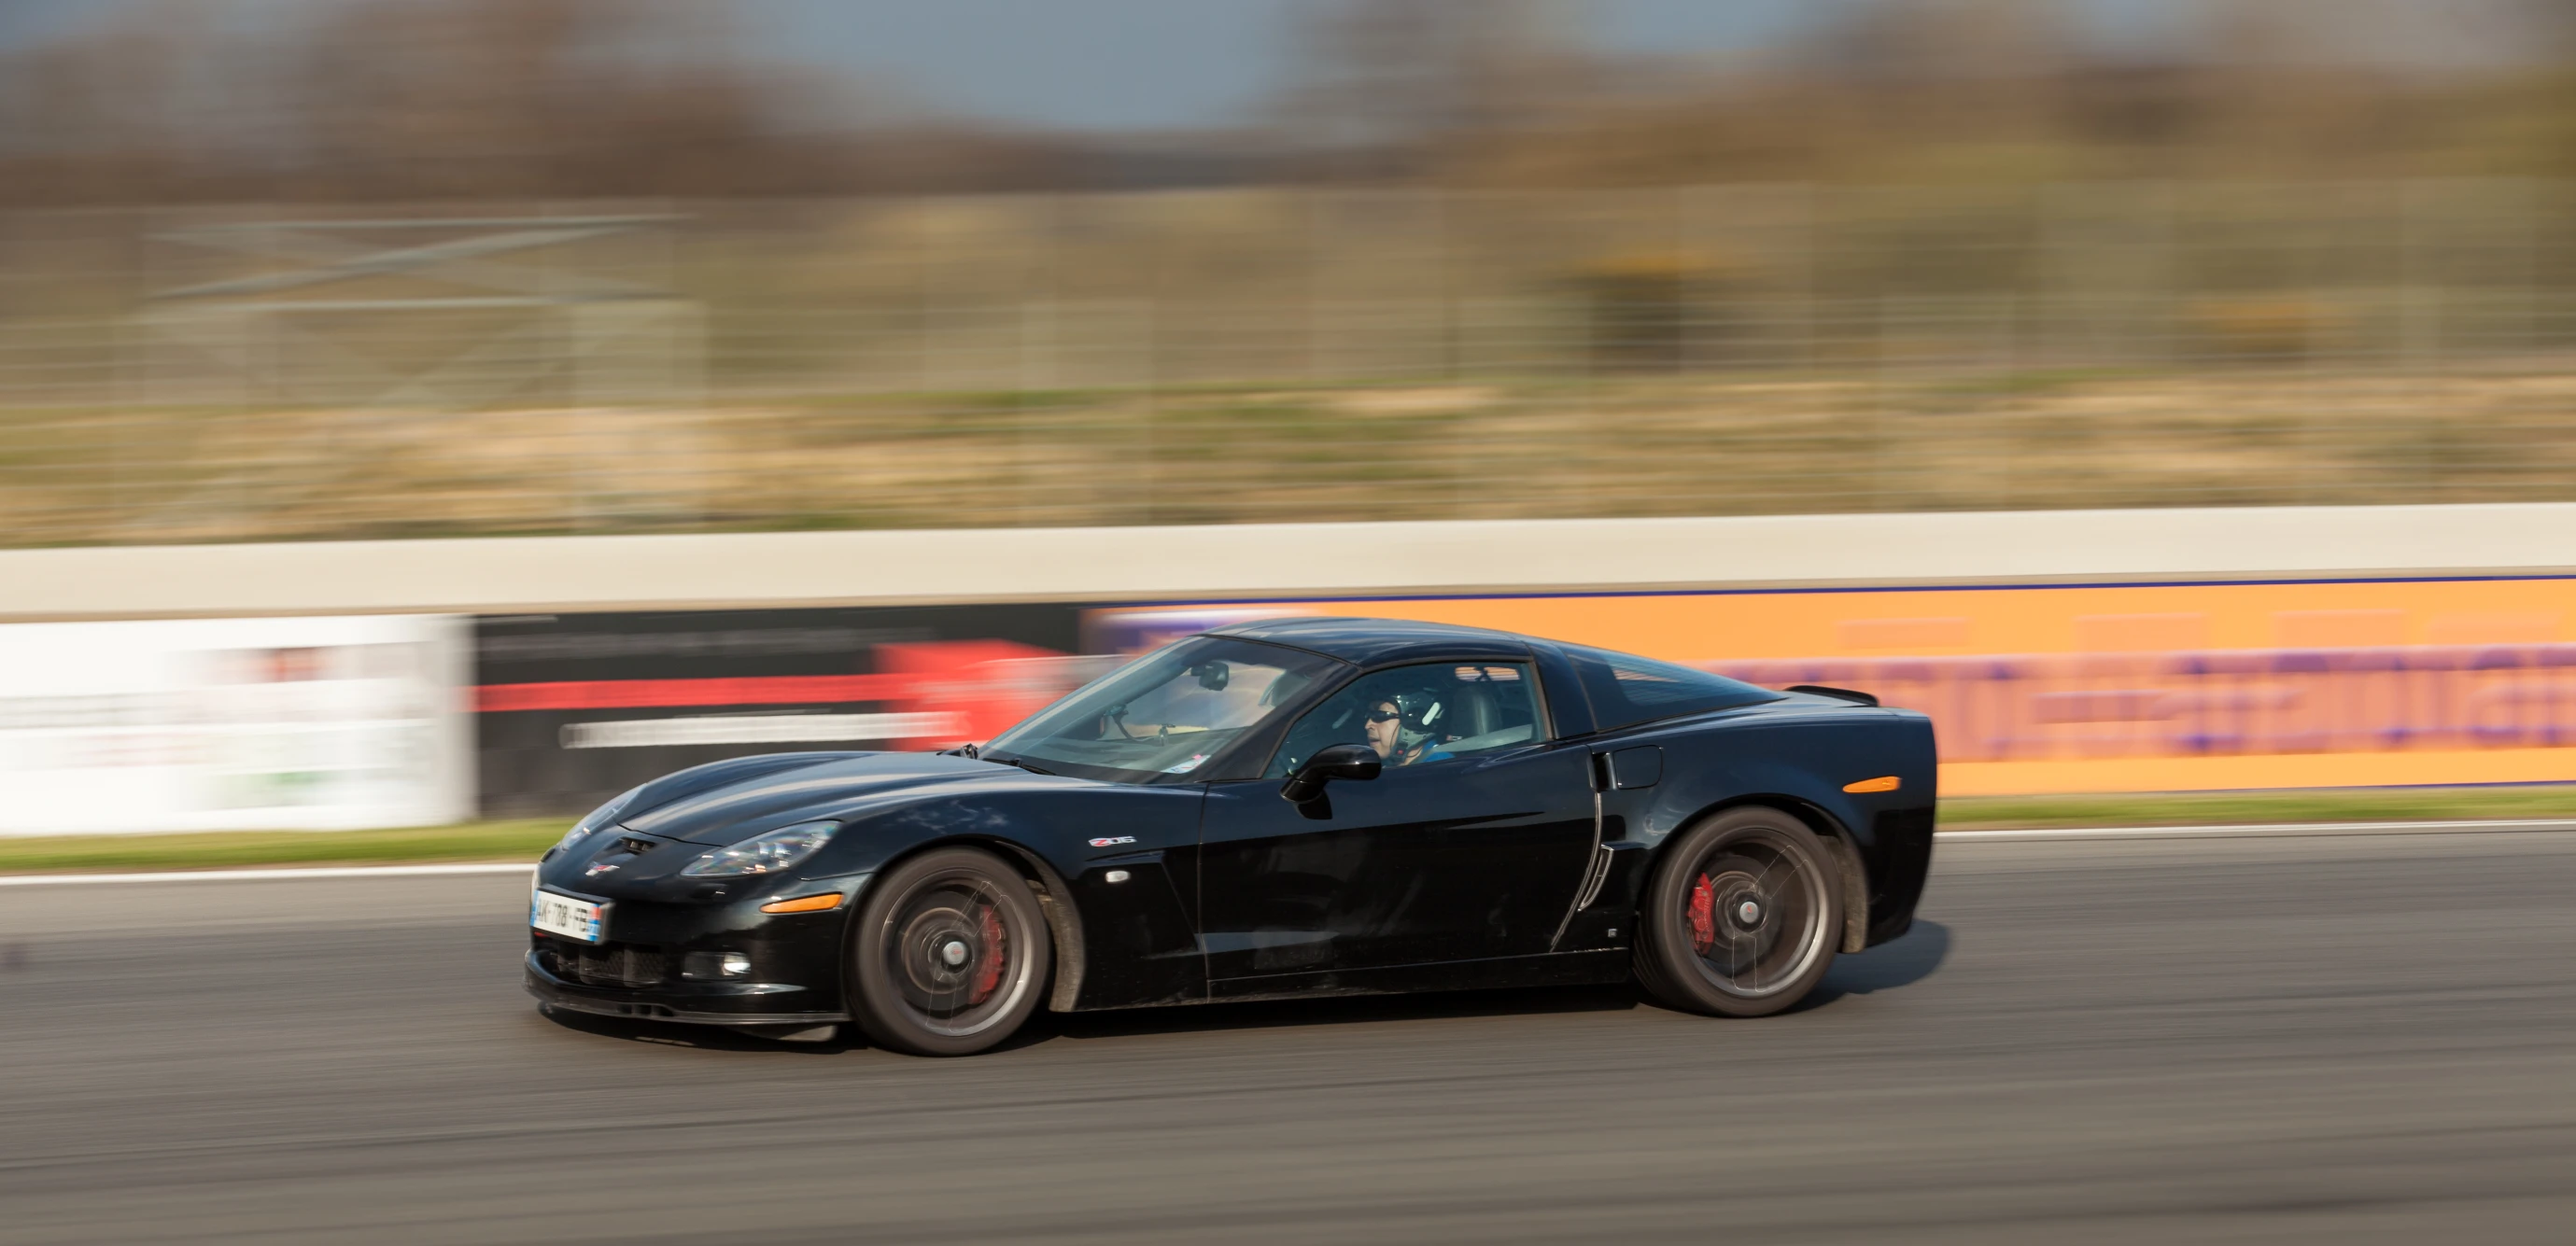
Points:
(1385, 87)
(2009, 91)
(434, 99)
(422, 99)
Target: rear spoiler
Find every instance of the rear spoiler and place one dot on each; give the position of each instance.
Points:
(1839, 694)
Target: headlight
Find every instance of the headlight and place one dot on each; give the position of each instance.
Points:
(592, 821)
(765, 854)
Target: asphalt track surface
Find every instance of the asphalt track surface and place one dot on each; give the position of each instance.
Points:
(2325, 1039)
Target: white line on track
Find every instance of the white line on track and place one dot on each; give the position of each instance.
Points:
(253, 876)
(2261, 830)
(2245, 831)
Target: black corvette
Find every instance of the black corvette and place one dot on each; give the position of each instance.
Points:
(1281, 808)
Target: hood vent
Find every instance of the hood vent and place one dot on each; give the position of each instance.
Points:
(618, 852)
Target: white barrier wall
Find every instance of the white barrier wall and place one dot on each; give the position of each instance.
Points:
(2059, 651)
(314, 723)
(502, 575)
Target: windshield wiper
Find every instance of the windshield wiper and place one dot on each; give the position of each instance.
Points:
(1014, 761)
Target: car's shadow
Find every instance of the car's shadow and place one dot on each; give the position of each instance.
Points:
(1333, 1010)
(1886, 967)
(706, 1037)
(1891, 966)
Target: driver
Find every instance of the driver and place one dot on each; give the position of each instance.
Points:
(1401, 728)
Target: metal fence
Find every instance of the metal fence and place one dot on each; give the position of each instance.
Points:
(1264, 354)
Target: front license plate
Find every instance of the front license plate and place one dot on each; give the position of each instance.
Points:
(571, 918)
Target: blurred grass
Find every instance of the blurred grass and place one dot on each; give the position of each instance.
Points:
(520, 840)
(1270, 354)
(526, 839)
(1740, 443)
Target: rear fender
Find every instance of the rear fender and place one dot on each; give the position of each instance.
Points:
(1798, 768)
(1852, 875)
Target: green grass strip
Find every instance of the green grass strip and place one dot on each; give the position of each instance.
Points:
(2385, 804)
(473, 841)
(524, 839)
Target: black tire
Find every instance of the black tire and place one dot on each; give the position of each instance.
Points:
(949, 954)
(1742, 917)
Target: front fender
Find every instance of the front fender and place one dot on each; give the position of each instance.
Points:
(1137, 942)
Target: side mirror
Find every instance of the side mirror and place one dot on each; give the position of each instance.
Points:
(1341, 761)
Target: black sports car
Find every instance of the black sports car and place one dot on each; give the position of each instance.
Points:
(1280, 808)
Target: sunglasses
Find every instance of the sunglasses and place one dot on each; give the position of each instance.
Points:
(1379, 716)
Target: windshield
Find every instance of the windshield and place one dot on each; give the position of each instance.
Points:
(1167, 713)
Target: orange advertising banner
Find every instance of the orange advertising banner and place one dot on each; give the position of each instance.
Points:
(2106, 688)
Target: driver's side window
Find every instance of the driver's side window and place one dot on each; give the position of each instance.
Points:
(1420, 715)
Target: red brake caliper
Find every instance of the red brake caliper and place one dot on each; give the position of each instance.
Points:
(988, 975)
(1703, 921)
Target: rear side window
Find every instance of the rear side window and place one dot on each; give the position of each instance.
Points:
(1626, 690)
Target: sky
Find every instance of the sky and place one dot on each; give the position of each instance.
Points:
(1166, 64)
(1153, 64)
(1183, 64)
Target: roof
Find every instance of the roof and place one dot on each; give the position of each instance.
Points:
(1371, 642)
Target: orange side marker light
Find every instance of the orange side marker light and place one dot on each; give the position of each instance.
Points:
(1883, 783)
(804, 904)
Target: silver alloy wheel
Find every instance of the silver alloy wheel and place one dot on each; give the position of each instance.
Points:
(1756, 913)
(955, 954)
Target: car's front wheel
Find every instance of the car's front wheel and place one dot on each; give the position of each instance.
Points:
(1741, 917)
(948, 955)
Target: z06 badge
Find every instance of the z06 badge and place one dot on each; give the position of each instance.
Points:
(1113, 841)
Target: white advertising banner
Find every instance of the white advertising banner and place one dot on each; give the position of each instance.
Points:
(236, 724)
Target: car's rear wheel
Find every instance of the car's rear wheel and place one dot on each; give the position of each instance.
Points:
(1742, 916)
(948, 955)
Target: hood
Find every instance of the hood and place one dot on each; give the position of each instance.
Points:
(731, 801)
